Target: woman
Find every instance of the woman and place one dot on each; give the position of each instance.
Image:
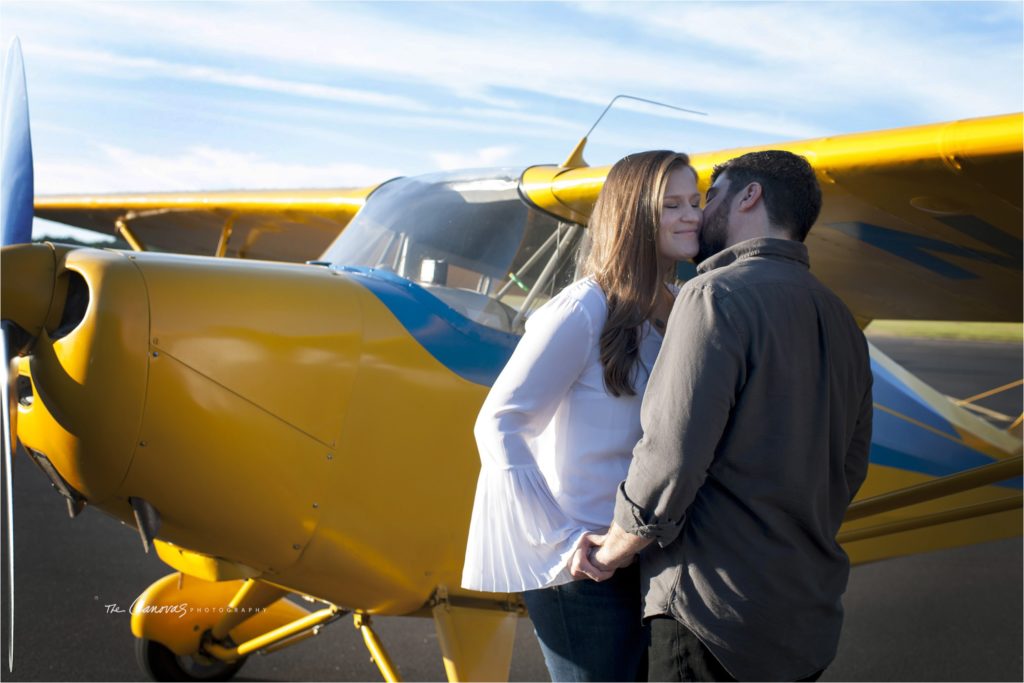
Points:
(557, 430)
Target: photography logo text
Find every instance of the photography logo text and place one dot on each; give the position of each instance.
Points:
(180, 609)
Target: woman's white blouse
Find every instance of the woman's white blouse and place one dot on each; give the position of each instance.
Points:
(554, 445)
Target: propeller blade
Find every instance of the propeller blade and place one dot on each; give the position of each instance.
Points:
(10, 407)
(16, 192)
(16, 209)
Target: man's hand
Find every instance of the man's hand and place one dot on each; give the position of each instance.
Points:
(618, 548)
(599, 555)
(581, 567)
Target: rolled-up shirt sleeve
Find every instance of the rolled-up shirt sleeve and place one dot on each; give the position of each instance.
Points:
(689, 397)
(519, 536)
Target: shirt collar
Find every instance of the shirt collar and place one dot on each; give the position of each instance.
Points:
(759, 246)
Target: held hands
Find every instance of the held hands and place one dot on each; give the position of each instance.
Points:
(582, 566)
(592, 559)
(599, 555)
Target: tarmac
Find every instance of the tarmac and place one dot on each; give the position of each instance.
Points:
(943, 616)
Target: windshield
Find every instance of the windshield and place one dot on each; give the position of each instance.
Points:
(466, 237)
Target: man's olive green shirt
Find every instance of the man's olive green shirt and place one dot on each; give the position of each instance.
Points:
(757, 426)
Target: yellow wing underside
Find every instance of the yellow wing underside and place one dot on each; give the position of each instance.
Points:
(277, 225)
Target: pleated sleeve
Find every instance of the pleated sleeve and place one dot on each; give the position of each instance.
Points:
(519, 537)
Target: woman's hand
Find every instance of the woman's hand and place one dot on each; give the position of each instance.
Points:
(581, 566)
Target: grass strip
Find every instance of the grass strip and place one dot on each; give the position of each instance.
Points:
(942, 329)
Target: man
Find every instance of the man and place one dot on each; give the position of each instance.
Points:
(757, 424)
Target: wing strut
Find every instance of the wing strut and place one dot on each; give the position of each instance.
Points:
(930, 490)
(122, 229)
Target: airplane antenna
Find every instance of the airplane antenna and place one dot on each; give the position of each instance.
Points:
(575, 159)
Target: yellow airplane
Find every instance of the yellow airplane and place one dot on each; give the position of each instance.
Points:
(276, 427)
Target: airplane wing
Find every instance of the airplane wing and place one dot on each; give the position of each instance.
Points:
(918, 223)
(277, 225)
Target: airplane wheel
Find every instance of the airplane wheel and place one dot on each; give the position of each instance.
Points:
(160, 664)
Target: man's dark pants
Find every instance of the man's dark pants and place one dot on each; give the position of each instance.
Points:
(676, 654)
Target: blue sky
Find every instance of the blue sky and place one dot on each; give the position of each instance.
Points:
(202, 95)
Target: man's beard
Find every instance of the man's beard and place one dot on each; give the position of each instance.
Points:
(713, 235)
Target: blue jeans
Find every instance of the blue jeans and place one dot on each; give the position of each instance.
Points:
(592, 631)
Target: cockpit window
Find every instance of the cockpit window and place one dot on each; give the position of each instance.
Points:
(469, 239)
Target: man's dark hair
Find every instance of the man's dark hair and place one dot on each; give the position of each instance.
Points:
(790, 191)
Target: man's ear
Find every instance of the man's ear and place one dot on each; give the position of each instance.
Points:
(750, 196)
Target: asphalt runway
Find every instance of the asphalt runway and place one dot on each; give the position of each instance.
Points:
(943, 616)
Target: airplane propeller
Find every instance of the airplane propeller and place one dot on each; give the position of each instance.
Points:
(16, 209)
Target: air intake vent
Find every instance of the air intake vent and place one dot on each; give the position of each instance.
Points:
(75, 305)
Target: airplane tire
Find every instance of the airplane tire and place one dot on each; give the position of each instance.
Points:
(161, 664)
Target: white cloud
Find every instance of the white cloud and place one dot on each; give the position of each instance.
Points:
(353, 42)
(807, 58)
(488, 156)
(121, 66)
(853, 53)
(197, 168)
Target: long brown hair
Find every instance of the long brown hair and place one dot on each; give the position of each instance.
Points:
(622, 256)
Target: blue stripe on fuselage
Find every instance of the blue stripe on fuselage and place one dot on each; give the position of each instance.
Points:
(472, 351)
